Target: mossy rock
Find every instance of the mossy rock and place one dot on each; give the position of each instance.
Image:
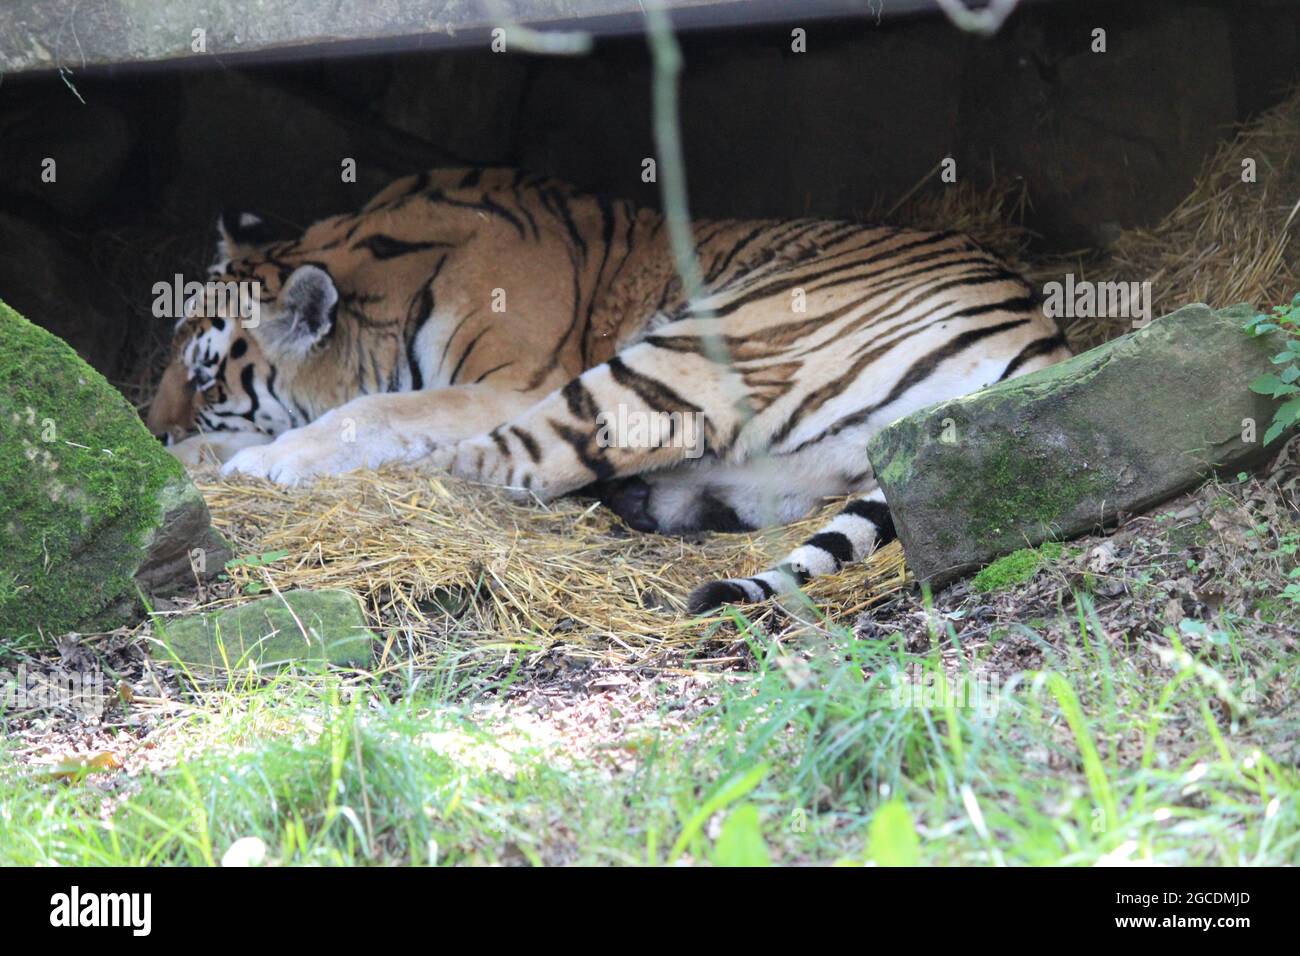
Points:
(303, 627)
(92, 507)
(1062, 451)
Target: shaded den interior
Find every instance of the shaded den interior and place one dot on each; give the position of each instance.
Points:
(851, 120)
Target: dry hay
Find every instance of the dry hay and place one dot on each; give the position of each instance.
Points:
(993, 215)
(443, 564)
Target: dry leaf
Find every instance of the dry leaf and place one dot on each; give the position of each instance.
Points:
(78, 765)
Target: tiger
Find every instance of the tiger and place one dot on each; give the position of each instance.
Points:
(510, 329)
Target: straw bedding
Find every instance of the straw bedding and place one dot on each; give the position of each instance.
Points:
(443, 564)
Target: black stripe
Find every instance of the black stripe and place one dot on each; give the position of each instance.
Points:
(557, 203)
(521, 205)
(877, 512)
(581, 405)
(607, 240)
(417, 315)
(575, 324)
(387, 247)
(924, 367)
(246, 380)
(709, 597)
(580, 441)
(834, 543)
(694, 344)
(487, 205)
(528, 441)
(464, 355)
(987, 268)
(808, 281)
(654, 393)
(446, 346)
(724, 263)
(716, 515)
(1032, 351)
(495, 368)
(919, 370)
(1019, 304)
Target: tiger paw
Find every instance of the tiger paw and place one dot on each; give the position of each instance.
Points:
(272, 462)
(300, 455)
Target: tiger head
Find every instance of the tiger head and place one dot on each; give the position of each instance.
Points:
(249, 345)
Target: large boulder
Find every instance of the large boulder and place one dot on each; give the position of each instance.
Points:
(1063, 451)
(93, 509)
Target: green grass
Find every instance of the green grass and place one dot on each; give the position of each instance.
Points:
(802, 760)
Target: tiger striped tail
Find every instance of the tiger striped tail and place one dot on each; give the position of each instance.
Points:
(863, 526)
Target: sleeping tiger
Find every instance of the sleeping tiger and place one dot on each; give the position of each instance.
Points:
(511, 330)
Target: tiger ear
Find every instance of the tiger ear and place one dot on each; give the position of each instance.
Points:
(238, 234)
(302, 316)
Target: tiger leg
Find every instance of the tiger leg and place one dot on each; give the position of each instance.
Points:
(214, 447)
(715, 495)
(864, 525)
(617, 419)
(374, 430)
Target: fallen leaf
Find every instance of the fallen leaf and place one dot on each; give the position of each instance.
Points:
(78, 765)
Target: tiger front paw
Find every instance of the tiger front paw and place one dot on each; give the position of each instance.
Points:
(303, 454)
(277, 462)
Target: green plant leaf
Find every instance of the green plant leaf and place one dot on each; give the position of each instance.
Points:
(1289, 413)
(741, 843)
(1273, 387)
(735, 788)
(893, 840)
